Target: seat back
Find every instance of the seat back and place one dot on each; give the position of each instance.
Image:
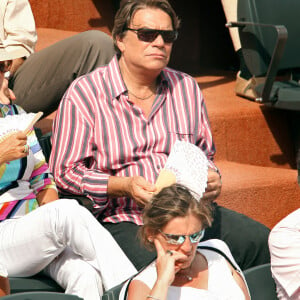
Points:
(261, 283)
(35, 283)
(258, 42)
(41, 296)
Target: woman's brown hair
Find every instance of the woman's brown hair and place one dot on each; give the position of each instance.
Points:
(171, 202)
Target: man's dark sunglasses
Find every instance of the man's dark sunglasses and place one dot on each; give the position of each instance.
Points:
(149, 35)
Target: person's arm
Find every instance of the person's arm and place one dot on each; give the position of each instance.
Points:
(70, 165)
(240, 281)
(47, 195)
(41, 180)
(165, 268)
(19, 28)
(206, 143)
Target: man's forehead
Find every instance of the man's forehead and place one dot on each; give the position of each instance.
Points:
(147, 17)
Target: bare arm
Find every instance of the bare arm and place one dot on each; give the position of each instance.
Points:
(46, 196)
(166, 270)
(240, 281)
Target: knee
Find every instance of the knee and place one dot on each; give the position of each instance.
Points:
(96, 38)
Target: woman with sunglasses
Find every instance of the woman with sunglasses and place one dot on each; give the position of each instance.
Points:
(174, 223)
(39, 231)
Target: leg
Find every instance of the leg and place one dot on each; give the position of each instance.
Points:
(27, 244)
(75, 276)
(60, 224)
(126, 235)
(41, 81)
(246, 238)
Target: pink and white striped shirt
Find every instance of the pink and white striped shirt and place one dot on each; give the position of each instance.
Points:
(99, 133)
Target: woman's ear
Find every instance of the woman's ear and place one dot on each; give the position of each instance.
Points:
(150, 235)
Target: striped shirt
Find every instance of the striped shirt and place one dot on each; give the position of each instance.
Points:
(22, 179)
(99, 133)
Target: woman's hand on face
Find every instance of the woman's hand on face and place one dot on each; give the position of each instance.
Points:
(165, 263)
(13, 147)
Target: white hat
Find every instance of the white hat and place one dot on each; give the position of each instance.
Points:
(9, 55)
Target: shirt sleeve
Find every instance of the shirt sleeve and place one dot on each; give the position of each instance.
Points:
(19, 32)
(72, 159)
(204, 138)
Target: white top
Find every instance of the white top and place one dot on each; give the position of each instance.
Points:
(221, 284)
(284, 243)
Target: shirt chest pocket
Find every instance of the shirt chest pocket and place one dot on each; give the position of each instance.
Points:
(181, 135)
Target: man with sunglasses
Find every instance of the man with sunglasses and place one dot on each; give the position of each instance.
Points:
(124, 119)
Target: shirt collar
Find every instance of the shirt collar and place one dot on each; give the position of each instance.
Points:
(116, 82)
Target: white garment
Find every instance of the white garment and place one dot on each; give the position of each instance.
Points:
(81, 253)
(17, 30)
(284, 243)
(221, 284)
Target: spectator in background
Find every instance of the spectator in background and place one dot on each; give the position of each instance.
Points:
(39, 80)
(38, 231)
(284, 243)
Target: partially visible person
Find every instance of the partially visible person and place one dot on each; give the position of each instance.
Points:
(284, 243)
(39, 232)
(4, 282)
(124, 119)
(245, 82)
(174, 223)
(39, 80)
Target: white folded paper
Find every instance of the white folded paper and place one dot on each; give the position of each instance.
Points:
(12, 123)
(187, 164)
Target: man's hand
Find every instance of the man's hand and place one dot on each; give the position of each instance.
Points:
(136, 187)
(140, 190)
(214, 185)
(12, 147)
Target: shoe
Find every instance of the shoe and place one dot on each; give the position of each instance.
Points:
(246, 87)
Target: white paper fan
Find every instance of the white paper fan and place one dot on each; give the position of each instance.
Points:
(187, 164)
(22, 122)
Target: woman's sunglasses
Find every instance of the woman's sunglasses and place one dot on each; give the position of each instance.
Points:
(149, 35)
(175, 239)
